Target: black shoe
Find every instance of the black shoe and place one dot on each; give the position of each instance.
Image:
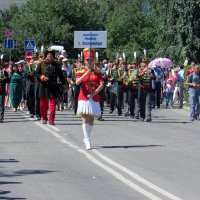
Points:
(38, 118)
(148, 120)
(51, 123)
(100, 119)
(32, 116)
(44, 121)
(1, 120)
(111, 111)
(126, 115)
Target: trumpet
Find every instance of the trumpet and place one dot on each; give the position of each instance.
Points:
(42, 60)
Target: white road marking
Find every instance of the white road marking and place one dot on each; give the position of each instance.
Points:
(110, 170)
(100, 164)
(33, 119)
(54, 128)
(113, 172)
(136, 177)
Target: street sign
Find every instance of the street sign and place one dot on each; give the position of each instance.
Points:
(90, 39)
(9, 33)
(10, 44)
(29, 45)
(28, 56)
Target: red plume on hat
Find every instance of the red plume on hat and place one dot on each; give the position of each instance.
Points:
(88, 54)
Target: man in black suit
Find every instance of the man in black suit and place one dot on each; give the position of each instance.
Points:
(48, 71)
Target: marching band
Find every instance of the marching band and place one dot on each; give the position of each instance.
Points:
(48, 81)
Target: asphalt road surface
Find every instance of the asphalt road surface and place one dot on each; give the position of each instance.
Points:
(130, 160)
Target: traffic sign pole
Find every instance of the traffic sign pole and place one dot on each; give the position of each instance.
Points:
(10, 56)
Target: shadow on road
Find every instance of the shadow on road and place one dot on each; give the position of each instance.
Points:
(24, 173)
(11, 198)
(8, 161)
(126, 146)
(7, 192)
(12, 121)
(15, 174)
(171, 122)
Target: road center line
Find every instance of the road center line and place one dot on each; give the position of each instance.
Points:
(112, 171)
(32, 119)
(100, 164)
(136, 177)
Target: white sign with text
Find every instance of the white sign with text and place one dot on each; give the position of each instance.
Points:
(90, 39)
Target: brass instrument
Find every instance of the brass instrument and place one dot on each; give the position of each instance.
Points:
(2, 76)
(133, 76)
(125, 78)
(42, 60)
(141, 73)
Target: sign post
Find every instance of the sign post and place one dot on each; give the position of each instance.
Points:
(90, 39)
(9, 33)
(29, 45)
(28, 56)
(9, 43)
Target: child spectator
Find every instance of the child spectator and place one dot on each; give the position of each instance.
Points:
(169, 93)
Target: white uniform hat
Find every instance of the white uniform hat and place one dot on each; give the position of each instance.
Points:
(65, 59)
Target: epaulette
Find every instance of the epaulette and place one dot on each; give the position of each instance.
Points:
(81, 70)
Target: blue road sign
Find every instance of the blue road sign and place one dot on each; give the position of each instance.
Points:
(29, 45)
(10, 44)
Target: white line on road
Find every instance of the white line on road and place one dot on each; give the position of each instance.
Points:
(112, 171)
(136, 177)
(100, 164)
(54, 128)
(32, 119)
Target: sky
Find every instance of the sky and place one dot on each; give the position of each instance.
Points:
(6, 3)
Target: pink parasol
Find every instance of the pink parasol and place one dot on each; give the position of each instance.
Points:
(162, 62)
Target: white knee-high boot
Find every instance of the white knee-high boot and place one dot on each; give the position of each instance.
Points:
(90, 130)
(87, 132)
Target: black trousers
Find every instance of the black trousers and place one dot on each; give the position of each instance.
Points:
(126, 100)
(31, 100)
(120, 100)
(157, 93)
(37, 102)
(145, 103)
(113, 101)
(102, 99)
(107, 94)
(133, 102)
(75, 94)
(2, 99)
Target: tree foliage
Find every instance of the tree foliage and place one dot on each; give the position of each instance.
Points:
(166, 28)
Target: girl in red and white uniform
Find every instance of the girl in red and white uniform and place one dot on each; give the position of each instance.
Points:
(91, 82)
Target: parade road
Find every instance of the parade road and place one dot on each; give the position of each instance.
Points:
(129, 160)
